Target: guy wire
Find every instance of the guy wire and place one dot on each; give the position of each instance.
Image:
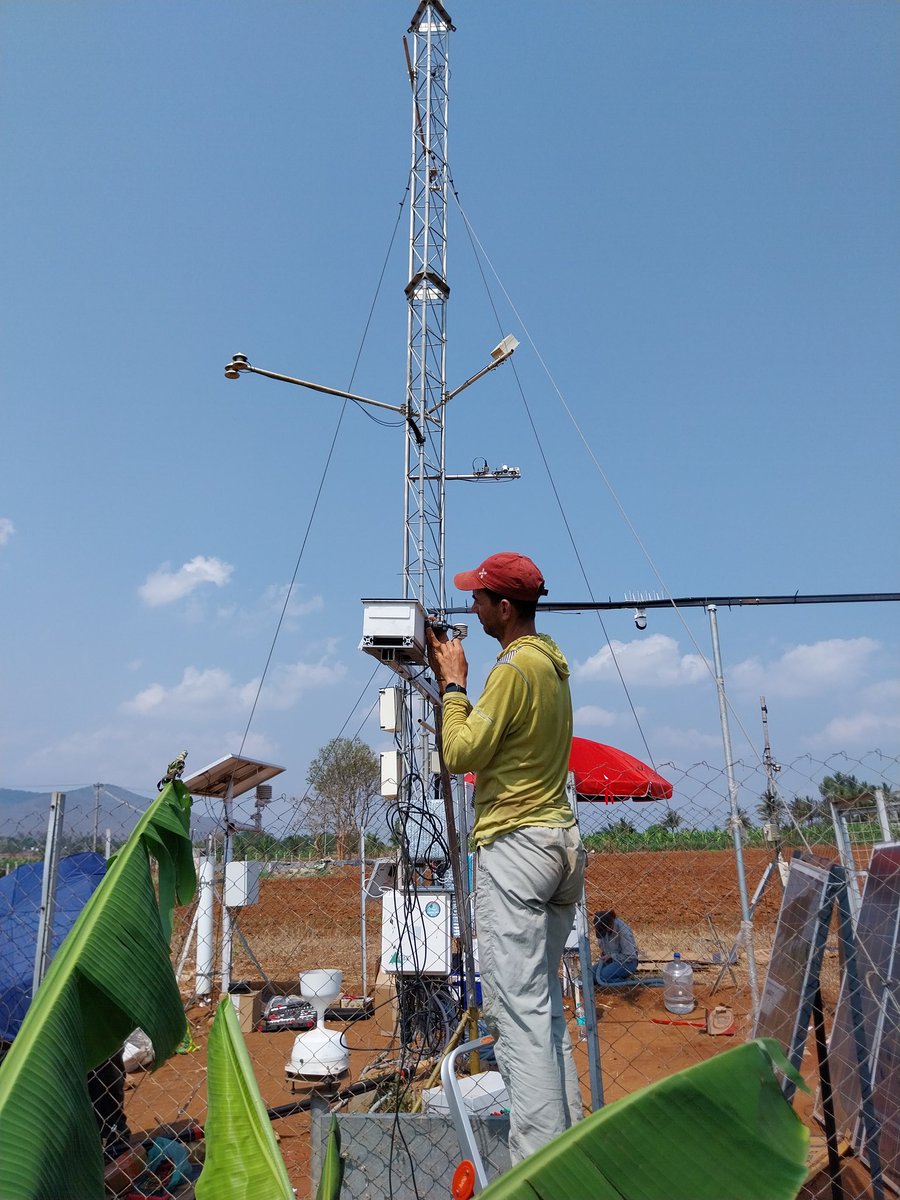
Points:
(559, 503)
(324, 475)
(606, 480)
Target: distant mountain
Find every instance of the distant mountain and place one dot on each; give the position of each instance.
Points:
(25, 815)
(116, 808)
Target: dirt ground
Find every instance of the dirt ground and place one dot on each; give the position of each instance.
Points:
(683, 901)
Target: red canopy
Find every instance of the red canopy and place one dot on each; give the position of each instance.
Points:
(603, 772)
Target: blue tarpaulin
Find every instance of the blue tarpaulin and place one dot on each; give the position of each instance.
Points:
(20, 904)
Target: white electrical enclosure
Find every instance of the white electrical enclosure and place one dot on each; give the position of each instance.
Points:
(242, 883)
(391, 774)
(390, 709)
(415, 933)
(394, 630)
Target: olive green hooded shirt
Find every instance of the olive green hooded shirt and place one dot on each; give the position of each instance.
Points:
(517, 739)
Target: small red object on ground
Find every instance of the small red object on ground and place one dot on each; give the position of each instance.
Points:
(463, 1187)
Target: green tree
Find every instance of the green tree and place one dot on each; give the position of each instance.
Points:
(847, 791)
(622, 827)
(804, 810)
(770, 807)
(344, 778)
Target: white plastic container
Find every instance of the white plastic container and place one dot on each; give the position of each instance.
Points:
(482, 1094)
(318, 1053)
(678, 994)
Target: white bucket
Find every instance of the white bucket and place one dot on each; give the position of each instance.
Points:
(482, 1094)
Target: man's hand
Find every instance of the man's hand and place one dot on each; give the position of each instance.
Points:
(446, 658)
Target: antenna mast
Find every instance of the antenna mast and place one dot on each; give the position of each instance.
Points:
(427, 292)
(426, 371)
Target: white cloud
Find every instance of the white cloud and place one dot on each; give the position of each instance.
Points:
(593, 715)
(687, 742)
(274, 598)
(806, 669)
(7, 529)
(112, 753)
(269, 608)
(164, 585)
(213, 693)
(654, 661)
(862, 730)
(198, 691)
(83, 746)
(285, 685)
(256, 745)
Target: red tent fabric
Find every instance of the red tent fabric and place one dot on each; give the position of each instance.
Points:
(605, 773)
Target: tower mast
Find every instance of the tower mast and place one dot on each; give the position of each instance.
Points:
(427, 293)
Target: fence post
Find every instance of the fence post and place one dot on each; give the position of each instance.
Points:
(363, 949)
(883, 819)
(746, 917)
(48, 890)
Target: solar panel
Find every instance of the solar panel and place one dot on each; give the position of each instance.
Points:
(797, 951)
(877, 930)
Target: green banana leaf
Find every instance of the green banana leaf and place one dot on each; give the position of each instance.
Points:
(112, 974)
(719, 1129)
(333, 1167)
(243, 1161)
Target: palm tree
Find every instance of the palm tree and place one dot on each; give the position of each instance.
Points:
(771, 807)
(671, 821)
(622, 828)
(803, 809)
(847, 791)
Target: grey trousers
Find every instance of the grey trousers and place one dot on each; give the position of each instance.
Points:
(527, 887)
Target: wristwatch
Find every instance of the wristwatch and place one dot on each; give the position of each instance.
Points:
(454, 687)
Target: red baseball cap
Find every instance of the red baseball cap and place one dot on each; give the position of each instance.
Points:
(512, 575)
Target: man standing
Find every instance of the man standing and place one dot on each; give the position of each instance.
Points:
(517, 738)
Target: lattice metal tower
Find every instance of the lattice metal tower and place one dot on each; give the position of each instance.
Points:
(427, 293)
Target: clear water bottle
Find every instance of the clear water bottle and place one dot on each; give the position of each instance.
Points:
(580, 1023)
(678, 993)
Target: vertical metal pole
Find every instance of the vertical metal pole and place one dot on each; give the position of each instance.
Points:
(845, 853)
(772, 769)
(883, 819)
(226, 915)
(97, 787)
(587, 978)
(427, 293)
(206, 951)
(48, 890)
(362, 908)
(736, 828)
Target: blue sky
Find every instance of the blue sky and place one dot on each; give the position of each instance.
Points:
(690, 215)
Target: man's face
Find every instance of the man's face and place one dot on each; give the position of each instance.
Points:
(488, 612)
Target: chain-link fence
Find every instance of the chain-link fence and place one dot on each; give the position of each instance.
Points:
(702, 874)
